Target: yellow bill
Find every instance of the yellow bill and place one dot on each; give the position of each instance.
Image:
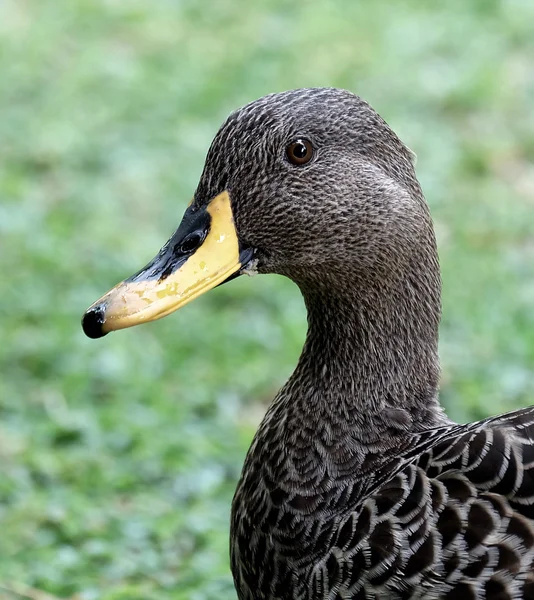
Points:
(203, 253)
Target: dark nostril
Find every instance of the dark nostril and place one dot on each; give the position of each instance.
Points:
(92, 322)
(191, 242)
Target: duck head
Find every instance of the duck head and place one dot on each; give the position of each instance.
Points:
(311, 184)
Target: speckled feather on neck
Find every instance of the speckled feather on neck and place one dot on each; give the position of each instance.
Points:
(356, 485)
(370, 359)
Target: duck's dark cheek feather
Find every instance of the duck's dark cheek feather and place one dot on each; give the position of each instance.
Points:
(203, 253)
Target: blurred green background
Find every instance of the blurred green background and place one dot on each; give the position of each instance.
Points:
(119, 457)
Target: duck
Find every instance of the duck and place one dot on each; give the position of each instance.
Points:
(356, 485)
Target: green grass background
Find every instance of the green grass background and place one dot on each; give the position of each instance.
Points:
(119, 457)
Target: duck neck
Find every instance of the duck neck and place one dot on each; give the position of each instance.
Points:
(370, 361)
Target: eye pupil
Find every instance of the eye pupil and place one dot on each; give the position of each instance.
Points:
(299, 152)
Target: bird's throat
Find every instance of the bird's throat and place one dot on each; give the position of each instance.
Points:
(370, 361)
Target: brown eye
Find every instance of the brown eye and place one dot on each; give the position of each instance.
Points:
(299, 152)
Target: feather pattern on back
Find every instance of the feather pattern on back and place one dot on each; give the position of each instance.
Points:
(449, 516)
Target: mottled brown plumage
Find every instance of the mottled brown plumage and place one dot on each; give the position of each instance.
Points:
(357, 486)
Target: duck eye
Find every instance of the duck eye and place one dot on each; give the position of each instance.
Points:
(299, 152)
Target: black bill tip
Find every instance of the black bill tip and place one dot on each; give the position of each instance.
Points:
(92, 323)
